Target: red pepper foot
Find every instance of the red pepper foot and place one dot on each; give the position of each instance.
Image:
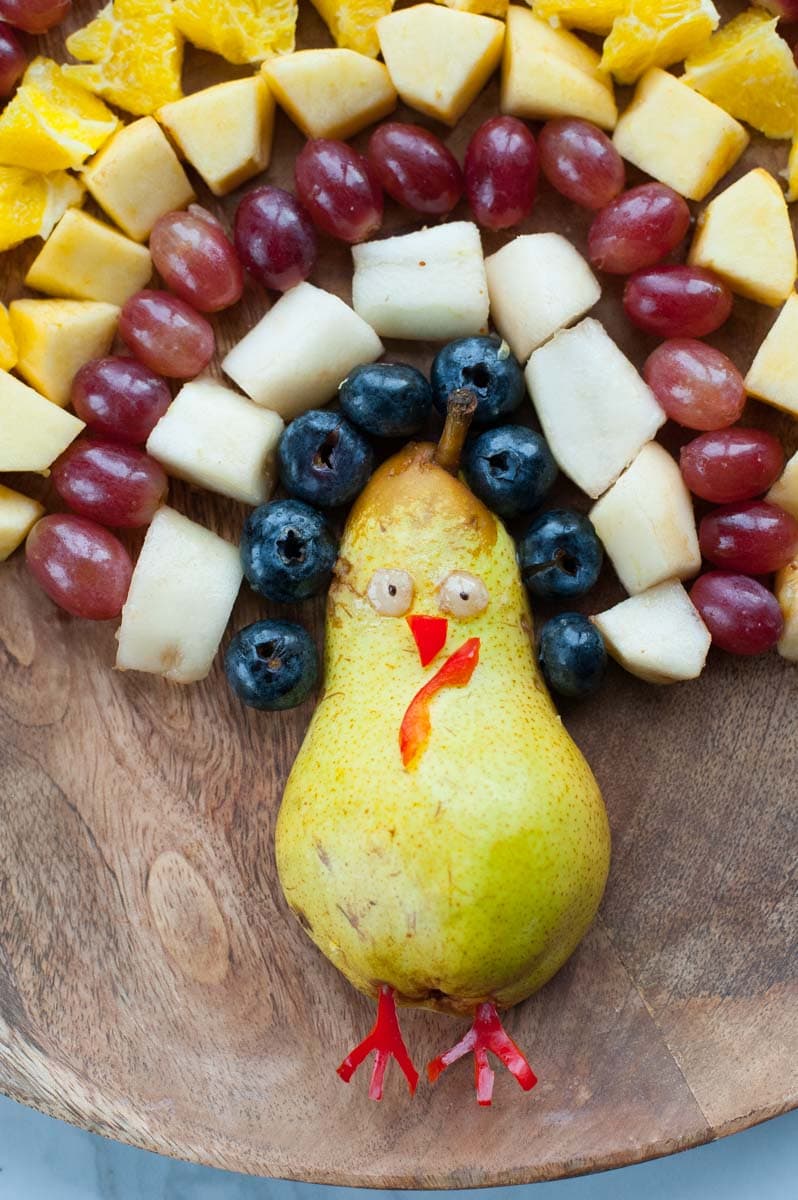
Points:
(386, 1039)
(487, 1033)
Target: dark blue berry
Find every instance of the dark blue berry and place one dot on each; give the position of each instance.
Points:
(323, 459)
(272, 664)
(510, 468)
(560, 554)
(572, 655)
(484, 365)
(288, 551)
(386, 399)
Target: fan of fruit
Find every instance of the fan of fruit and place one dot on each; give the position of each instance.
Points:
(426, 531)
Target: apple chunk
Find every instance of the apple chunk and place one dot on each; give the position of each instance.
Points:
(595, 410)
(18, 515)
(34, 431)
(183, 589)
(330, 93)
(785, 490)
(647, 524)
(56, 337)
(658, 635)
(787, 596)
(773, 375)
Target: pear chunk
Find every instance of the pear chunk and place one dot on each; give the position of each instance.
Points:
(647, 524)
(18, 515)
(787, 596)
(538, 283)
(745, 236)
(440, 58)
(183, 589)
(427, 285)
(56, 337)
(773, 375)
(217, 439)
(785, 490)
(297, 354)
(34, 431)
(658, 635)
(85, 259)
(330, 93)
(595, 410)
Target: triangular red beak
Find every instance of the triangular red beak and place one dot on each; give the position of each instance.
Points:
(430, 636)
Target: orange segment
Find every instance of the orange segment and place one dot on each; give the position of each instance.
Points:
(656, 33)
(31, 203)
(352, 22)
(594, 16)
(242, 31)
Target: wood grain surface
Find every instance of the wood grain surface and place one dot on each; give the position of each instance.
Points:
(154, 987)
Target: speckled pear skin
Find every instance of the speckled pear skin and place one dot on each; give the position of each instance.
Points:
(475, 875)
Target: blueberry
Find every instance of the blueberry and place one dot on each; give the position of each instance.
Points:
(288, 551)
(572, 655)
(510, 468)
(560, 554)
(386, 399)
(323, 459)
(486, 366)
(272, 665)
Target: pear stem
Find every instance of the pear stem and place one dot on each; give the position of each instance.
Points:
(460, 408)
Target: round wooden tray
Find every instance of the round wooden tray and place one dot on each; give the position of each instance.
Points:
(154, 987)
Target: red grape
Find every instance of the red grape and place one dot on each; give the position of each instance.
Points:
(677, 301)
(731, 464)
(196, 260)
(12, 60)
(168, 335)
(340, 190)
(501, 172)
(580, 161)
(415, 168)
(34, 16)
(275, 238)
(696, 385)
(638, 229)
(120, 398)
(116, 485)
(755, 537)
(742, 615)
(81, 566)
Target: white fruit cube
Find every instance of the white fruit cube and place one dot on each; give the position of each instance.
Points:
(137, 178)
(33, 431)
(595, 410)
(658, 636)
(773, 375)
(296, 356)
(56, 337)
(225, 131)
(646, 522)
(787, 596)
(18, 515)
(785, 490)
(439, 58)
(549, 72)
(538, 283)
(745, 236)
(85, 259)
(183, 589)
(330, 93)
(677, 136)
(428, 285)
(219, 440)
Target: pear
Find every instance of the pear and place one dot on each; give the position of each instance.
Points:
(448, 843)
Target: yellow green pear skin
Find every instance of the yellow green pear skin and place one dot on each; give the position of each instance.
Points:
(473, 876)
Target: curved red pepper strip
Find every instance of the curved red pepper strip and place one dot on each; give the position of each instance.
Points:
(430, 636)
(487, 1033)
(416, 725)
(386, 1041)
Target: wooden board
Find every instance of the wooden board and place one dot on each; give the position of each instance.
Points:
(153, 986)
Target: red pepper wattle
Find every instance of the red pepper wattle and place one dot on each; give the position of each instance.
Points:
(487, 1033)
(429, 634)
(416, 725)
(386, 1040)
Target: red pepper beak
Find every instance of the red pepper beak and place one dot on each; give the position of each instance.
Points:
(430, 636)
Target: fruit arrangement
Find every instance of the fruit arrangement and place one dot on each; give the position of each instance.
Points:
(112, 382)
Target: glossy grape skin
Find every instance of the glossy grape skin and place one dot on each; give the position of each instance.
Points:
(196, 260)
(415, 168)
(166, 334)
(742, 616)
(12, 60)
(730, 465)
(580, 162)
(116, 485)
(82, 567)
(677, 301)
(501, 173)
(339, 189)
(274, 238)
(754, 537)
(697, 386)
(120, 398)
(637, 229)
(34, 16)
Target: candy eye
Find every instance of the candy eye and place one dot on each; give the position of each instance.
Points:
(463, 595)
(390, 592)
